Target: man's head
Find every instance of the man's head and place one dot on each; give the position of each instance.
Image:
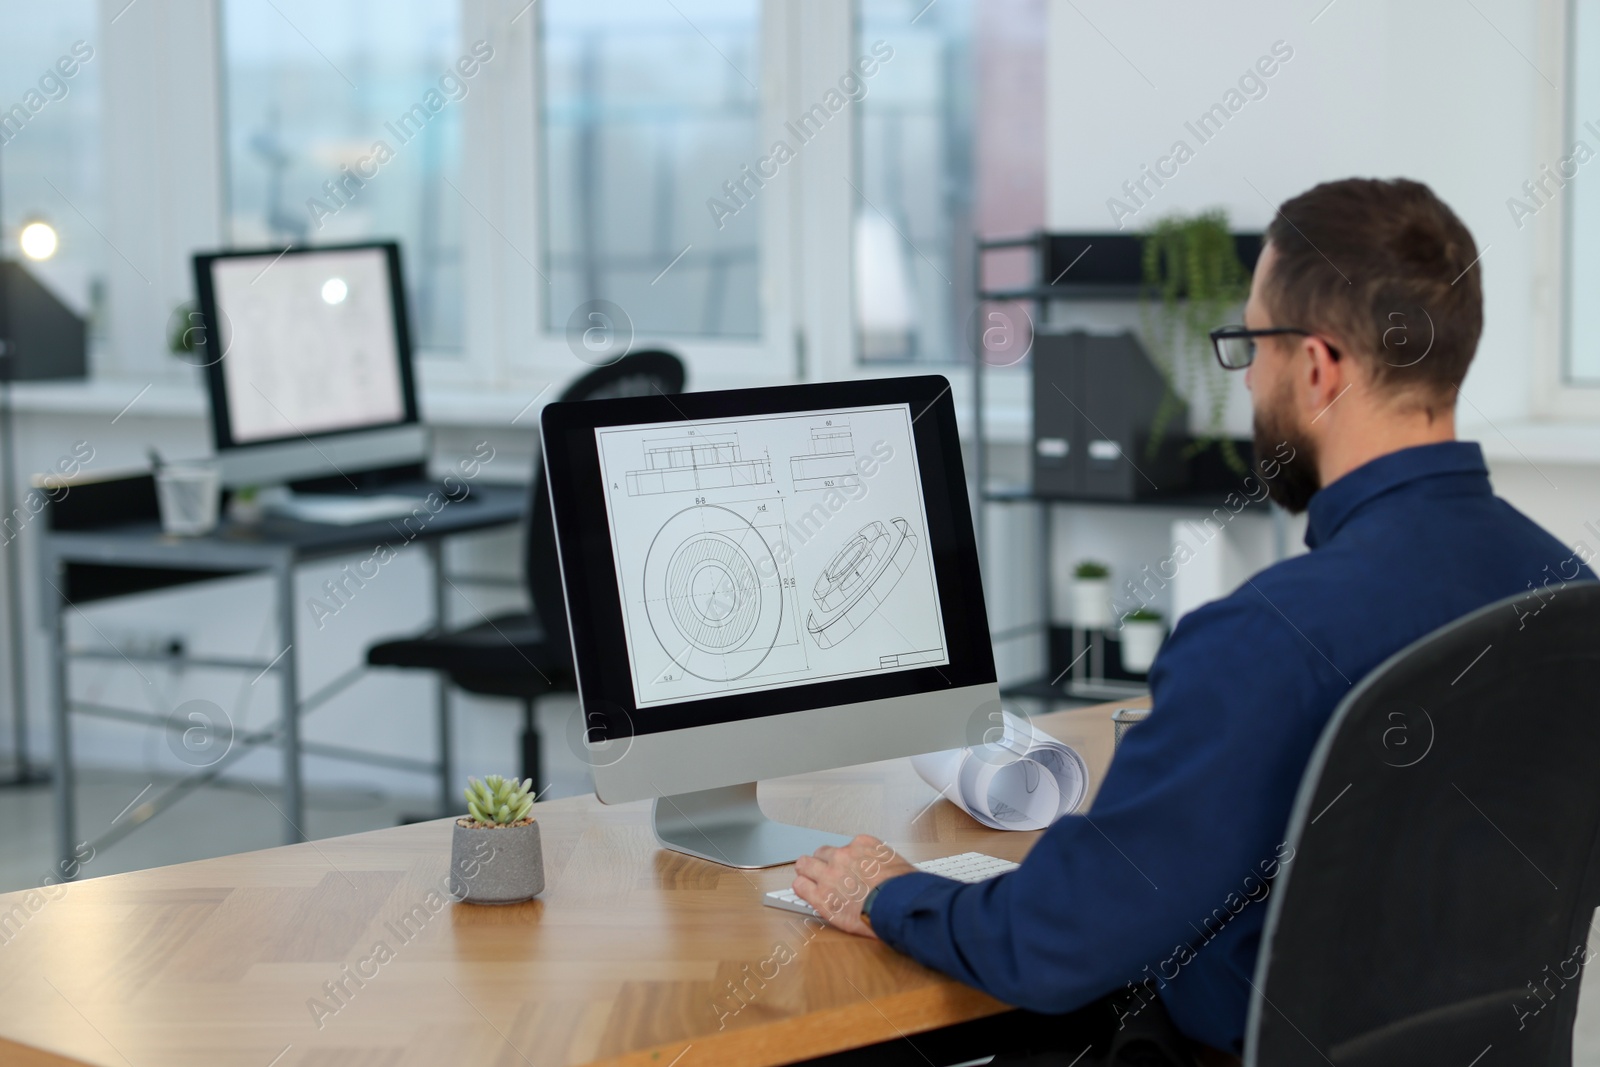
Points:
(1380, 275)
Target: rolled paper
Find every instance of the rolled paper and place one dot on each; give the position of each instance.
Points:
(1025, 781)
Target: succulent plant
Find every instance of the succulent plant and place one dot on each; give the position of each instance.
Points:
(497, 801)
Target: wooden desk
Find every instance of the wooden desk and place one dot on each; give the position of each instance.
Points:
(630, 957)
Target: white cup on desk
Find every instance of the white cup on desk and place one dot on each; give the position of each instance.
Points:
(188, 494)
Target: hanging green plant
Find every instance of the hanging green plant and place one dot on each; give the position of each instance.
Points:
(1192, 264)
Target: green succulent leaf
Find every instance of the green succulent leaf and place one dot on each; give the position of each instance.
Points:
(498, 801)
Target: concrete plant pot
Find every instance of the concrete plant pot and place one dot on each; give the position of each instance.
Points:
(495, 864)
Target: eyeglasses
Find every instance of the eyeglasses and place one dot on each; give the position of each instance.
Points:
(1236, 345)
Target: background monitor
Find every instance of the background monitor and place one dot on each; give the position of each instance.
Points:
(763, 582)
(309, 363)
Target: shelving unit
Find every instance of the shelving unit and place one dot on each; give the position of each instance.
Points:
(1112, 274)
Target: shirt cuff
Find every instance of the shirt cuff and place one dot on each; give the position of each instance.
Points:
(898, 897)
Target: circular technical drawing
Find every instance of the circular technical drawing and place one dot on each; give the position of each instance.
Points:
(858, 578)
(713, 593)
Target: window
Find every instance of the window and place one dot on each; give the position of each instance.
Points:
(343, 123)
(50, 131)
(1583, 237)
(950, 146)
(913, 227)
(651, 117)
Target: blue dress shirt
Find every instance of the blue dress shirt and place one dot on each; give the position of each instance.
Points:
(1159, 889)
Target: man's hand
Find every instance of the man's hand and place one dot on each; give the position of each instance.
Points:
(836, 880)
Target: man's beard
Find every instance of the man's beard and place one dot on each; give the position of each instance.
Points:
(1287, 452)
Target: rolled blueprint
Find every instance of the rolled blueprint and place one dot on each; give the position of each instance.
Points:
(1024, 781)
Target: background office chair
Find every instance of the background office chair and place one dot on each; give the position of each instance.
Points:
(528, 655)
(1447, 853)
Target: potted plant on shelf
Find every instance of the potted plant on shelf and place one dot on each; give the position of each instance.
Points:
(246, 506)
(1192, 264)
(1142, 633)
(1091, 595)
(495, 857)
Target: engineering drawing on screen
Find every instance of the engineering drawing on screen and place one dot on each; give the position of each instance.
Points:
(709, 462)
(740, 573)
(831, 461)
(714, 593)
(859, 577)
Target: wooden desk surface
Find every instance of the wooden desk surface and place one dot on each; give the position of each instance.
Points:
(630, 956)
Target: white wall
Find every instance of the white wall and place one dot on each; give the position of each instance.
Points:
(1460, 96)
(1426, 89)
(1564, 498)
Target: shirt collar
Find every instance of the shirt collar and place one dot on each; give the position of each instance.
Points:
(1333, 504)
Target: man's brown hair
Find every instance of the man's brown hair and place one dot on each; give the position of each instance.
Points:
(1386, 268)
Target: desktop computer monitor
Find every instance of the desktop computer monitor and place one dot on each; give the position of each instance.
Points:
(763, 582)
(308, 360)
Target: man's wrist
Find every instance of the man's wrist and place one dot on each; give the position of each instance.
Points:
(866, 903)
(871, 898)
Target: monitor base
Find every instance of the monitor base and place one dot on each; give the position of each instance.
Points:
(727, 826)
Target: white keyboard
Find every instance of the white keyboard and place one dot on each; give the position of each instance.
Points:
(345, 509)
(965, 867)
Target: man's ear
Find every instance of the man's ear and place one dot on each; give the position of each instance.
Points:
(1323, 376)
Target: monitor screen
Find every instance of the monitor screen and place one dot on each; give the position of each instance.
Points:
(311, 342)
(764, 552)
(741, 554)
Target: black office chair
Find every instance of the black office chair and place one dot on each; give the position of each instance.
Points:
(528, 655)
(1446, 863)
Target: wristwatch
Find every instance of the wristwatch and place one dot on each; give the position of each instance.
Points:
(866, 904)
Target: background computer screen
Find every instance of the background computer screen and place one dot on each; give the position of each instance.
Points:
(310, 342)
(770, 551)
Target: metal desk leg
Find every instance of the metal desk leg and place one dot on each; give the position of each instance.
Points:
(64, 782)
(447, 802)
(1047, 580)
(289, 701)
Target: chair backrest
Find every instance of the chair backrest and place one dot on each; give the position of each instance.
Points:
(636, 374)
(1446, 867)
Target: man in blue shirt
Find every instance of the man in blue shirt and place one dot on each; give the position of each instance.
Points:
(1364, 313)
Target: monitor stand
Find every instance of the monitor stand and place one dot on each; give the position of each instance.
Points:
(727, 826)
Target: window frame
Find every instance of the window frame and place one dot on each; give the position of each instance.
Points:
(423, 354)
(807, 257)
(1556, 395)
(513, 327)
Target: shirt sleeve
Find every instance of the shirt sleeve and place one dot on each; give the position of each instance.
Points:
(1195, 804)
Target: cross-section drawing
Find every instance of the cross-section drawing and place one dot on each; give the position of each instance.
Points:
(713, 593)
(858, 579)
(831, 461)
(681, 464)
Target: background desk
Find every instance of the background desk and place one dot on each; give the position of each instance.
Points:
(626, 959)
(80, 566)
